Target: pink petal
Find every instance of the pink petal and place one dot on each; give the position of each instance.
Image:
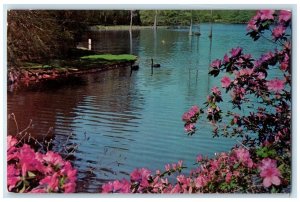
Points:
(267, 182)
(275, 180)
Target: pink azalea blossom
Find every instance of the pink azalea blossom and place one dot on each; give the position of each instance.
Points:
(141, 175)
(267, 14)
(187, 116)
(189, 127)
(107, 187)
(201, 181)
(252, 25)
(174, 166)
(284, 16)
(12, 176)
(199, 158)
(261, 75)
(53, 158)
(275, 85)
(121, 186)
(216, 90)
(225, 82)
(226, 58)
(236, 51)
(278, 32)
(168, 167)
(247, 56)
(266, 163)
(184, 181)
(269, 172)
(245, 71)
(284, 66)
(268, 56)
(243, 156)
(69, 172)
(69, 187)
(179, 165)
(228, 177)
(176, 189)
(195, 109)
(52, 182)
(216, 64)
(11, 141)
(28, 161)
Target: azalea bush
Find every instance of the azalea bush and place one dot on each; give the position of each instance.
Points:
(261, 162)
(35, 172)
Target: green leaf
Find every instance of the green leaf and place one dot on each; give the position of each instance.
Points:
(235, 166)
(31, 174)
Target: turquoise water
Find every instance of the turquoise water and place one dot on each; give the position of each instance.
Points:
(120, 122)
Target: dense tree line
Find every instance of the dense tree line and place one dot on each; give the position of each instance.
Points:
(183, 17)
(39, 34)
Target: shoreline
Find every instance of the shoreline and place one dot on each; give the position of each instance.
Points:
(34, 74)
(142, 27)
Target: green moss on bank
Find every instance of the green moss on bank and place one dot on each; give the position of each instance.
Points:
(110, 57)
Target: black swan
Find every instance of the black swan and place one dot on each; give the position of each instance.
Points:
(154, 65)
(134, 67)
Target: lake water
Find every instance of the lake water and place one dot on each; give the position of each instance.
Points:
(121, 122)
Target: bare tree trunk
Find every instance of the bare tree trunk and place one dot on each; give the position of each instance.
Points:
(191, 27)
(155, 20)
(211, 15)
(131, 16)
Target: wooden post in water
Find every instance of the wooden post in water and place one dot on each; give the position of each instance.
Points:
(90, 44)
(155, 21)
(211, 16)
(131, 16)
(151, 66)
(191, 27)
(130, 41)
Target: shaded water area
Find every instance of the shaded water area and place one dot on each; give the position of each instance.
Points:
(121, 122)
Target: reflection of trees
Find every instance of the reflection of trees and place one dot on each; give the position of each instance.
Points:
(42, 107)
(114, 91)
(115, 42)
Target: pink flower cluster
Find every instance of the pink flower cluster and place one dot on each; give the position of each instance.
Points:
(225, 172)
(33, 172)
(225, 81)
(190, 118)
(243, 156)
(117, 187)
(141, 181)
(275, 85)
(283, 21)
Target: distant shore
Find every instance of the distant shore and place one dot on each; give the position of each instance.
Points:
(124, 27)
(138, 27)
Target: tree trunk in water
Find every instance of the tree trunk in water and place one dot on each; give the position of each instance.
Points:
(155, 20)
(131, 16)
(191, 27)
(210, 34)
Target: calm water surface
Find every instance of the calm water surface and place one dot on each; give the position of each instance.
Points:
(121, 122)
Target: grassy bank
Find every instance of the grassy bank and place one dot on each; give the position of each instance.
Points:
(110, 57)
(32, 73)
